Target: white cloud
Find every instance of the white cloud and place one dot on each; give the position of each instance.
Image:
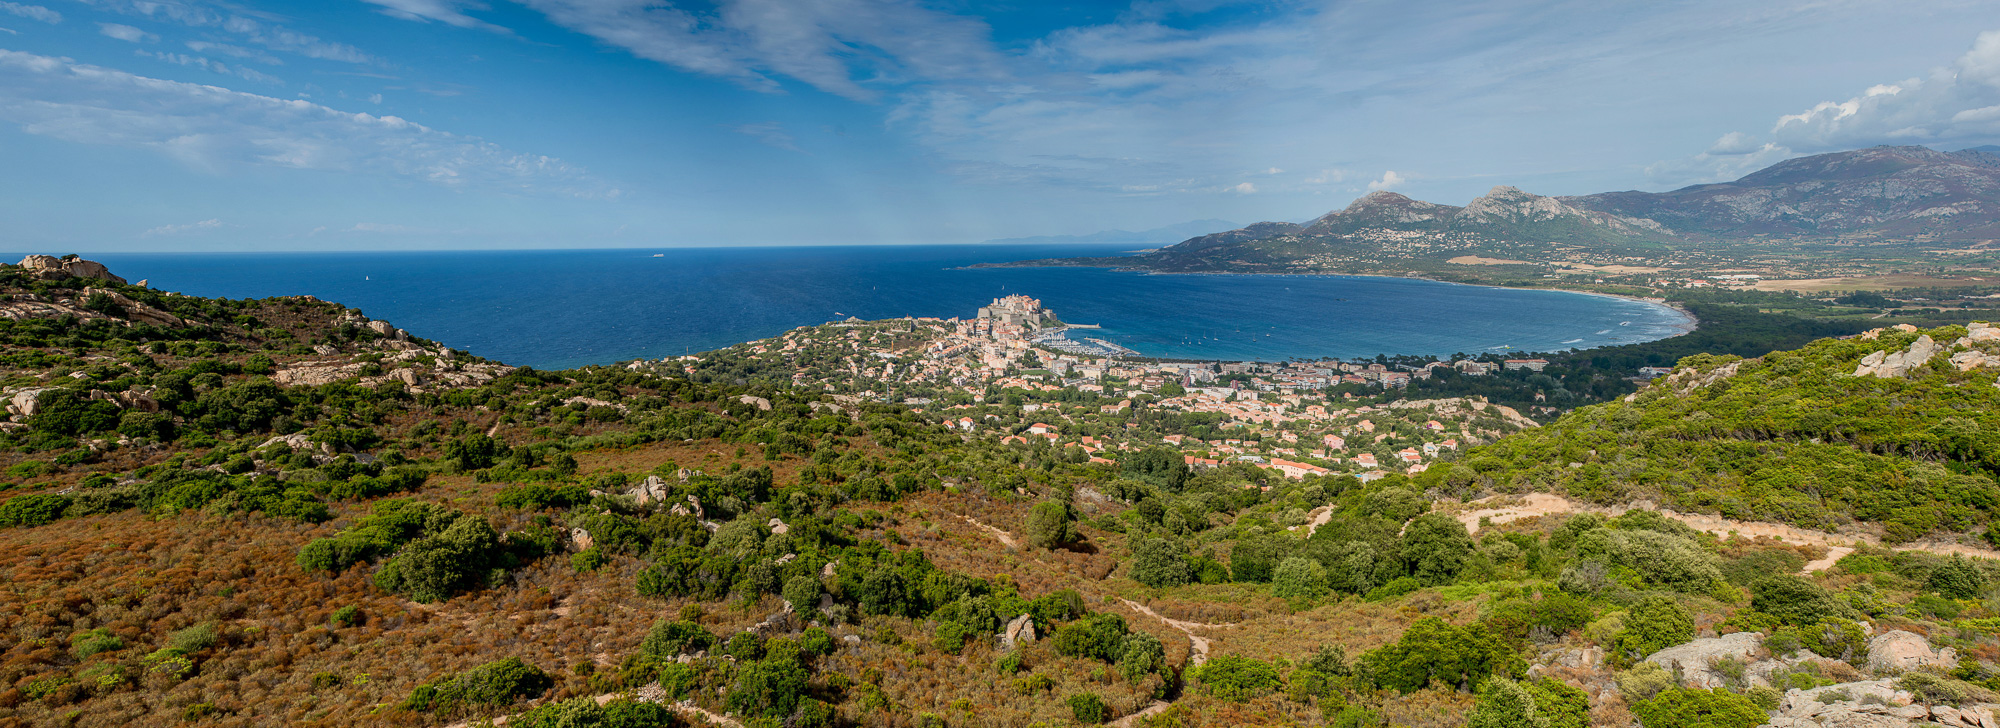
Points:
(248, 30)
(31, 12)
(225, 49)
(375, 99)
(125, 33)
(1955, 103)
(215, 128)
(1389, 180)
(770, 133)
(1327, 177)
(193, 227)
(846, 47)
(239, 70)
(449, 12)
(1245, 189)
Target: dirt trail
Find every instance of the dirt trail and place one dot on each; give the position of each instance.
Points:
(997, 533)
(649, 694)
(1197, 654)
(1838, 545)
(1320, 517)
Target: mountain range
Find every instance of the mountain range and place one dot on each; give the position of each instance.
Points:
(1885, 195)
(1156, 236)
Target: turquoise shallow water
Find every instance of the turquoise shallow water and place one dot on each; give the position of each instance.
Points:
(555, 309)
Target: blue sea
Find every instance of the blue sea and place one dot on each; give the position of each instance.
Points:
(560, 309)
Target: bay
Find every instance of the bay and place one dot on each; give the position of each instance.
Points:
(555, 309)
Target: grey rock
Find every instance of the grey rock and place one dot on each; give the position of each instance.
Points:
(1695, 660)
(1898, 651)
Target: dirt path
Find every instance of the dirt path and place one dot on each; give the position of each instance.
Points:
(1837, 545)
(1197, 654)
(1320, 517)
(997, 533)
(648, 694)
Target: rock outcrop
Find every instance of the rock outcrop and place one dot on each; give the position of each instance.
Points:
(1695, 661)
(1019, 632)
(49, 267)
(1898, 651)
(1885, 365)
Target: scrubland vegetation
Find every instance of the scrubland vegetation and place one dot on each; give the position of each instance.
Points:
(427, 555)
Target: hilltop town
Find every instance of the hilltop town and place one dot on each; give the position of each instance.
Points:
(1009, 373)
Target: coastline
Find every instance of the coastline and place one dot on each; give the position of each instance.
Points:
(1688, 324)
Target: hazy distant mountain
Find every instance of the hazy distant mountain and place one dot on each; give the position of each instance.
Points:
(1157, 236)
(1880, 195)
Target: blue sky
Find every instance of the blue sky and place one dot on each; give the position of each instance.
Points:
(420, 124)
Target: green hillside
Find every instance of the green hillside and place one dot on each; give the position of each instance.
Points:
(1792, 436)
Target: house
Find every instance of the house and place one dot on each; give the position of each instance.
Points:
(1655, 372)
(1200, 463)
(1366, 460)
(1434, 426)
(1474, 368)
(965, 423)
(1295, 470)
(1334, 442)
(1533, 365)
(1174, 439)
(1409, 455)
(1040, 428)
(1418, 468)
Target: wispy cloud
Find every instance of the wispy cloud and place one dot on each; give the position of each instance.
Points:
(853, 48)
(193, 227)
(214, 128)
(449, 12)
(31, 12)
(770, 133)
(247, 29)
(125, 33)
(239, 70)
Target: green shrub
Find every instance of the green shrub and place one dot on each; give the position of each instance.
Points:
(1141, 655)
(1794, 599)
(1298, 578)
(1644, 681)
(1088, 708)
(1395, 588)
(85, 644)
(1933, 689)
(1160, 563)
(803, 592)
(1052, 525)
(1656, 623)
(193, 639)
(586, 713)
(1435, 547)
(1683, 708)
(1435, 650)
(590, 559)
(349, 616)
(1544, 703)
(1765, 697)
(1099, 636)
(34, 509)
(667, 640)
(1838, 639)
(1936, 607)
(1236, 678)
(1956, 578)
(493, 684)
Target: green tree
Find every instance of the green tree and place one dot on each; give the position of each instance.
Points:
(1052, 525)
(1160, 563)
(1141, 655)
(1435, 547)
(1299, 578)
(1088, 708)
